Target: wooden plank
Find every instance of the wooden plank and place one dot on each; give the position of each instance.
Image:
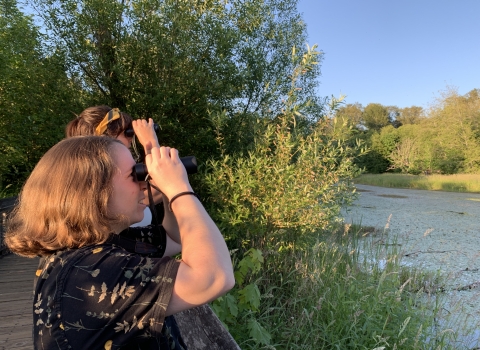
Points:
(17, 344)
(18, 284)
(12, 321)
(18, 264)
(24, 333)
(23, 265)
(12, 308)
(16, 298)
(7, 203)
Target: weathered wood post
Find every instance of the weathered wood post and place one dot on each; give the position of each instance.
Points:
(201, 330)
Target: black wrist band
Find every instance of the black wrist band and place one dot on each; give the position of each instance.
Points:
(179, 195)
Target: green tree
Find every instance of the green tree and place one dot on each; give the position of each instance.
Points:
(182, 61)
(422, 140)
(375, 116)
(404, 155)
(35, 96)
(410, 115)
(393, 114)
(382, 144)
(455, 119)
(351, 113)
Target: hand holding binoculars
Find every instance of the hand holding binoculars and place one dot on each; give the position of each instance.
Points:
(140, 171)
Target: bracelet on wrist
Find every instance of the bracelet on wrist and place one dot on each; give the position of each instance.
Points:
(179, 195)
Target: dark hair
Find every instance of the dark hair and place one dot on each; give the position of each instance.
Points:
(88, 120)
(63, 203)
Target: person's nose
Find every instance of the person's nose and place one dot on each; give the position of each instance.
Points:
(143, 185)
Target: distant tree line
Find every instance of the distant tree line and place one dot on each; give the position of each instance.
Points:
(444, 139)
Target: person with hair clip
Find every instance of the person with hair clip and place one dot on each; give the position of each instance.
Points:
(111, 122)
(91, 293)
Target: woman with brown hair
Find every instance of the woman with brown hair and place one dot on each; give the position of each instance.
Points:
(106, 121)
(92, 294)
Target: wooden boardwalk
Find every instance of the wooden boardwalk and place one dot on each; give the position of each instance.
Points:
(16, 295)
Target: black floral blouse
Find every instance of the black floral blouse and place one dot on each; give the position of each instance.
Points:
(104, 297)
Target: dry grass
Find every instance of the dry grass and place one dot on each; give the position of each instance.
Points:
(469, 183)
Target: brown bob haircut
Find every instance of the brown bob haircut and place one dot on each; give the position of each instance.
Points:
(63, 203)
(86, 122)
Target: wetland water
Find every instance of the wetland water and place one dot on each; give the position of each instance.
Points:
(438, 231)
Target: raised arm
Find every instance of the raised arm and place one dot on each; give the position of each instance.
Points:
(205, 271)
(146, 135)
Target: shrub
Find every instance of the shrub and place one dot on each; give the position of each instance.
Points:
(275, 197)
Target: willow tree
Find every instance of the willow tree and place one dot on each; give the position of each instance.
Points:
(182, 61)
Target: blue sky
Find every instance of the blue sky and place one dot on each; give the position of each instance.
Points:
(403, 52)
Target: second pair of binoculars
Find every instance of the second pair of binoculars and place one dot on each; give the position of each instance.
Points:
(140, 171)
(129, 132)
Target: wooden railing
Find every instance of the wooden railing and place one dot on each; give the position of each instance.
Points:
(6, 205)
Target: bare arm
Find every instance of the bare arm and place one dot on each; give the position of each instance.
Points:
(146, 135)
(174, 243)
(206, 270)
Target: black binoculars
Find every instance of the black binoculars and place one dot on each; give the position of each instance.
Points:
(140, 171)
(130, 132)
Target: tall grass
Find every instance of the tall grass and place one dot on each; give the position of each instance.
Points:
(450, 183)
(348, 292)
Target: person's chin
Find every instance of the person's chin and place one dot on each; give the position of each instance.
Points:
(138, 220)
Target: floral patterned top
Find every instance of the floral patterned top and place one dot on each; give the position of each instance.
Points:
(149, 235)
(104, 297)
